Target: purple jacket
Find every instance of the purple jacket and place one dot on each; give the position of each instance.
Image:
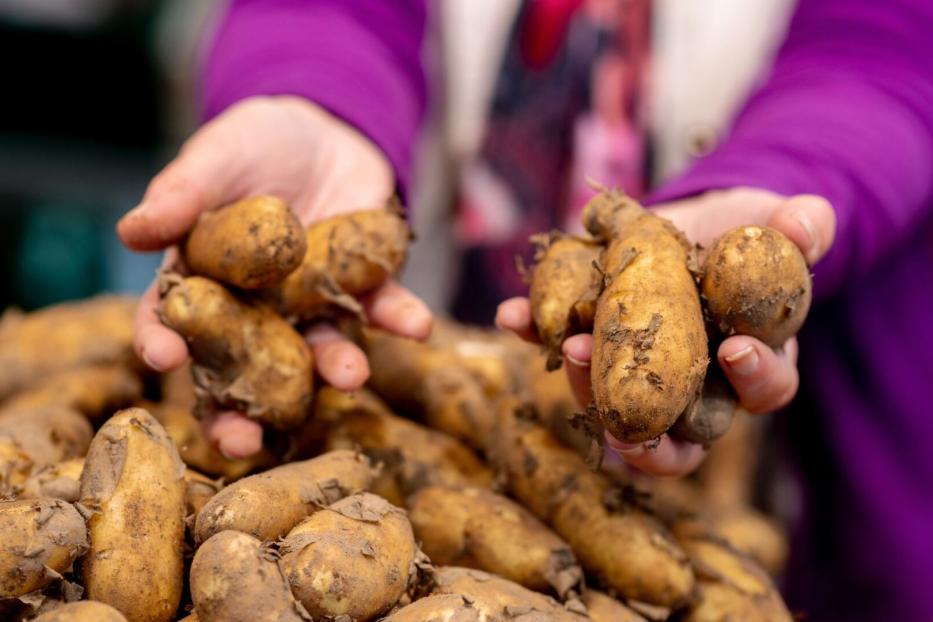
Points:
(847, 113)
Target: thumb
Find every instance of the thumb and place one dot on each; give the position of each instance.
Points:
(204, 175)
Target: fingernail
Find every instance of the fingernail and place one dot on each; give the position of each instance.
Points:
(624, 449)
(136, 212)
(576, 362)
(803, 219)
(150, 362)
(744, 362)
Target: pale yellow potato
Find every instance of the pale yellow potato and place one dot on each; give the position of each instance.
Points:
(61, 480)
(603, 608)
(82, 611)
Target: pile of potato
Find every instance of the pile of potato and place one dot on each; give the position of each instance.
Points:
(453, 488)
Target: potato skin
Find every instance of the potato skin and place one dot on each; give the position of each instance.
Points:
(235, 578)
(348, 255)
(564, 288)
(439, 608)
(250, 244)
(246, 357)
(61, 480)
(93, 390)
(31, 439)
(354, 558)
(37, 535)
(478, 528)
(133, 483)
(199, 489)
(649, 340)
(82, 611)
(96, 330)
(756, 282)
(627, 547)
(269, 504)
(710, 415)
(500, 599)
(411, 455)
(603, 608)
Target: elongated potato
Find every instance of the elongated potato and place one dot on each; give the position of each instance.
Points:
(269, 504)
(500, 599)
(35, 345)
(431, 383)
(61, 480)
(40, 540)
(440, 608)
(649, 341)
(196, 451)
(348, 255)
(478, 528)
(411, 455)
(564, 287)
(756, 282)
(246, 357)
(82, 611)
(236, 578)
(603, 608)
(251, 244)
(354, 558)
(614, 539)
(710, 415)
(37, 437)
(94, 390)
(133, 484)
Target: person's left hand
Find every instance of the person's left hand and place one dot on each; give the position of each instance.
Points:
(764, 379)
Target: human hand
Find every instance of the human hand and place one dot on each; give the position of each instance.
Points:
(764, 379)
(287, 147)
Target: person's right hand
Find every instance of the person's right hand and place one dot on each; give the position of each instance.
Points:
(287, 147)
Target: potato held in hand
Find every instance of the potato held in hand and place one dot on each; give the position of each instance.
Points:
(564, 287)
(133, 484)
(251, 244)
(348, 255)
(649, 341)
(246, 357)
(39, 538)
(756, 282)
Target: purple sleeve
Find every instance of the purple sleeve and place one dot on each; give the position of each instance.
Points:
(360, 59)
(847, 113)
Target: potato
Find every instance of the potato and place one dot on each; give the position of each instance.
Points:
(40, 540)
(269, 504)
(411, 455)
(196, 451)
(348, 255)
(478, 528)
(82, 611)
(199, 489)
(614, 539)
(94, 390)
(756, 282)
(753, 534)
(236, 578)
(499, 599)
(251, 244)
(649, 340)
(35, 345)
(440, 608)
(603, 608)
(355, 558)
(246, 357)
(730, 585)
(35, 438)
(564, 287)
(61, 480)
(133, 484)
(710, 415)
(433, 384)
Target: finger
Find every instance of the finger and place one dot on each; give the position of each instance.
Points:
(668, 457)
(161, 348)
(764, 379)
(809, 221)
(399, 311)
(514, 315)
(578, 351)
(204, 175)
(340, 362)
(236, 435)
